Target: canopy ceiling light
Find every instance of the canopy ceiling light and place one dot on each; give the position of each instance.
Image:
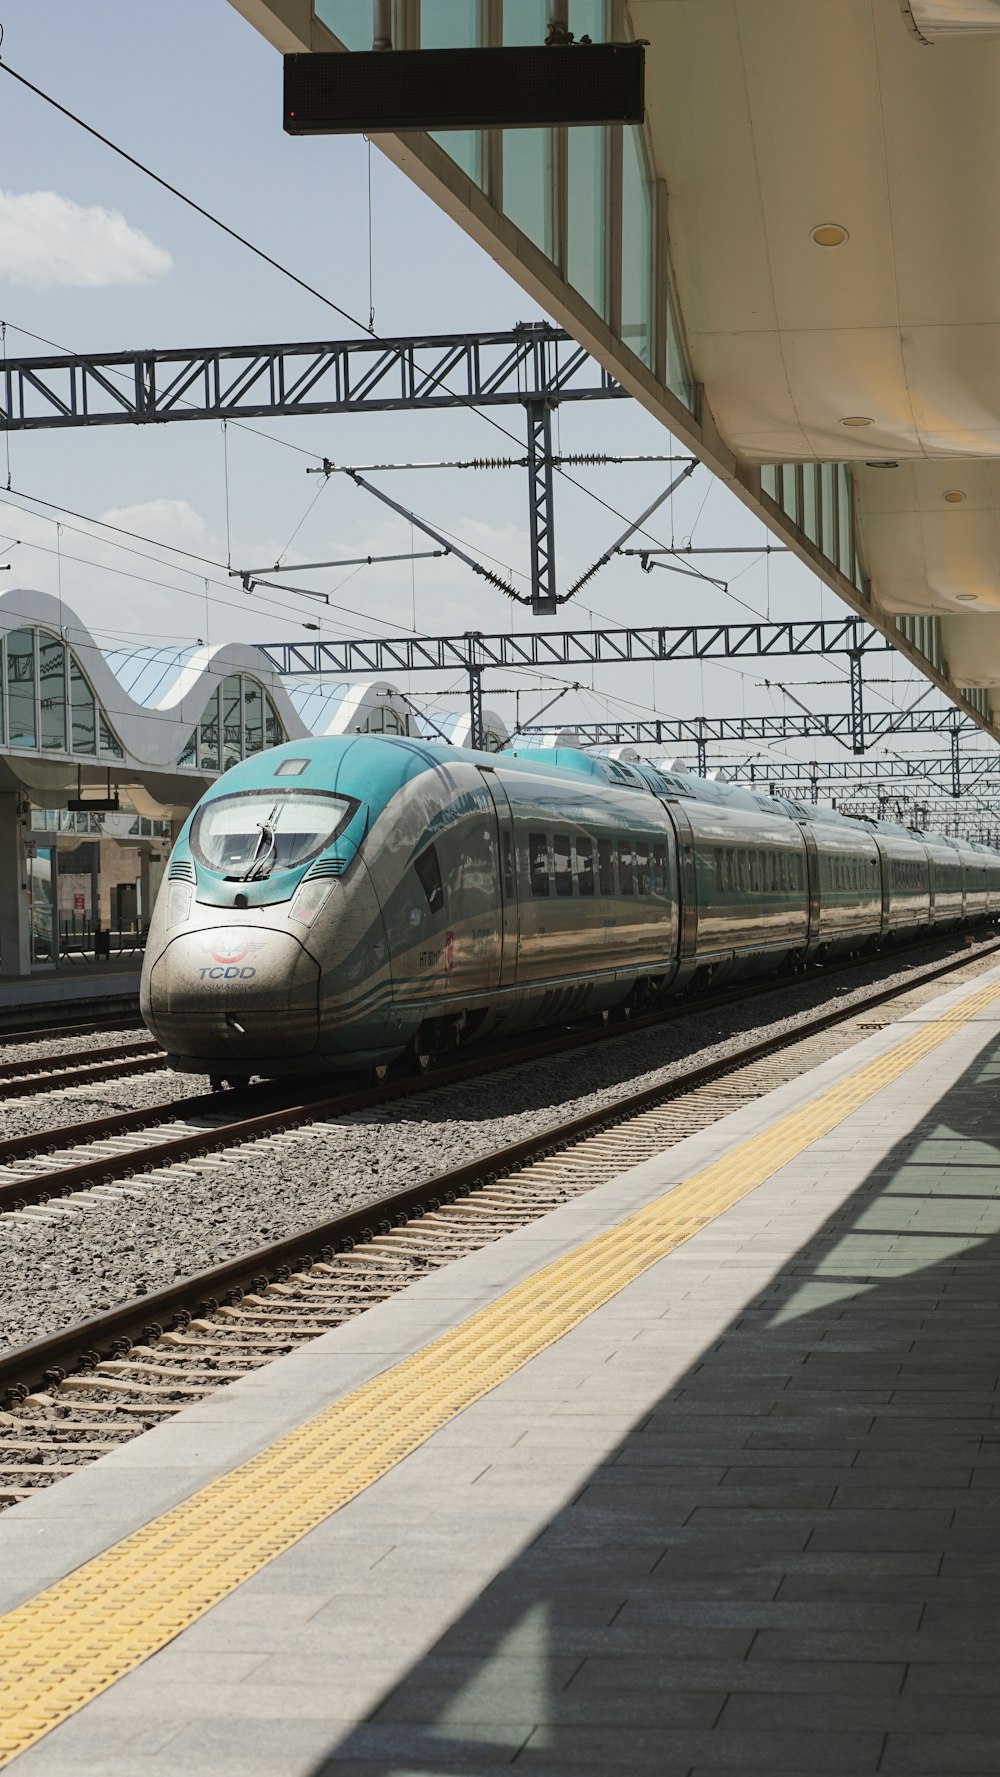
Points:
(857, 419)
(829, 234)
(966, 598)
(934, 20)
(954, 496)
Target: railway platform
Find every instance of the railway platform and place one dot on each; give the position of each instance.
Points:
(696, 1474)
(79, 988)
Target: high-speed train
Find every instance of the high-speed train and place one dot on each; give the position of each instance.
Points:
(341, 903)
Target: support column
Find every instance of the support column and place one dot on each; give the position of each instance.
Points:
(15, 924)
(542, 503)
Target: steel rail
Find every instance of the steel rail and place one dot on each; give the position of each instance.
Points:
(45, 1187)
(47, 1361)
(53, 1080)
(41, 1064)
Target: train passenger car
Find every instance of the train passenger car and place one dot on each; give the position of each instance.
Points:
(947, 880)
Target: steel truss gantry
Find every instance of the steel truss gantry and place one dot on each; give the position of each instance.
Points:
(535, 366)
(953, 774)
(472, 651)
(707, 731)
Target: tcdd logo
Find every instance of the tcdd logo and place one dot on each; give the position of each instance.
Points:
(231, 953)
(232, 973)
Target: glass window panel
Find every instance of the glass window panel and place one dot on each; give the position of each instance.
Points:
(538, 863)
(826, 479)
(637, 245)
(454, 24)
(769, 480)
(585, 227)
(625, 866)
(110, 745)
(527, 154)
(810, 515)
(844, 518)
(679, 379)
(232, 751)
(563, 867)
(188, 755)
(21, 687)
(208, 736)
(606, 866)
(585, 865)
(274, 734)
(253, 716)
(52, 692)
(83, 709)
(350, 20)
(789, 491)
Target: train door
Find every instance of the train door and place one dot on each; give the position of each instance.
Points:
(812, 882)
(507, 874)
(687, 883)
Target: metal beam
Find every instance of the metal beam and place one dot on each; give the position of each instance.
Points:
(531, 362)
(572, 647)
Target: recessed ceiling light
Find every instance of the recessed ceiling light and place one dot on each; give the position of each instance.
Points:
(829, 234)
(857, 419)
(887, 464)
(966, 598)
(954, 496)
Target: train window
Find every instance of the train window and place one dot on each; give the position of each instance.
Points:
(246, 836)
(642, 869)
(429, 871)
(538, 859)
(718, 869)
(606, 867)
(508, 865)
(659, 869)
(561, 859)
(625, 866)
(585, 865)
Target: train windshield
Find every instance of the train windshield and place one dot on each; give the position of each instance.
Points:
(244, 838)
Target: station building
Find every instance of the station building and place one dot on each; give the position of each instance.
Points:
(148, 728)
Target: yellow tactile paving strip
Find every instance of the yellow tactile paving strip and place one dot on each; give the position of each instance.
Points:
(75, 1639)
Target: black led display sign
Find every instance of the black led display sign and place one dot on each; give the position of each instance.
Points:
(460, 89)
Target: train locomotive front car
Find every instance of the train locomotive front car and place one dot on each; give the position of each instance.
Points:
(333, 903)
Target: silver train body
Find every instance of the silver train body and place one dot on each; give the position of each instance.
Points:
(333, 904)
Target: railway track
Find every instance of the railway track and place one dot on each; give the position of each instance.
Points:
(78, 1393)
(43, 1073)
(56, 1172)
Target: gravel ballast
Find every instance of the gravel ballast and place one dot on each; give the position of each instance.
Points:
(118, 1248)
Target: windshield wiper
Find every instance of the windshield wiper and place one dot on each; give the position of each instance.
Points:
(256, 870)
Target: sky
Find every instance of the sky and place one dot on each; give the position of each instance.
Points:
(96, 257)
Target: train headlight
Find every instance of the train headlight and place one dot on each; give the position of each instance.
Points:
(310, 898)
(179, 898)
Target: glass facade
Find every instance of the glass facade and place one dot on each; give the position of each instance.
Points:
(241, 718)
(586, 197)
(819, 499)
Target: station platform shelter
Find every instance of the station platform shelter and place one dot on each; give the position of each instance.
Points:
(790, 262)
(695, 1475)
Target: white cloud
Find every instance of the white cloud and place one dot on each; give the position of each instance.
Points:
(164, 521)
(47, 240)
